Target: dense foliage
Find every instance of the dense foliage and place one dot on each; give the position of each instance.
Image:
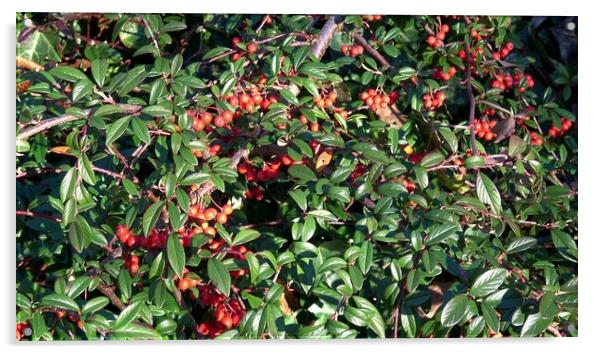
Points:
(295, 176)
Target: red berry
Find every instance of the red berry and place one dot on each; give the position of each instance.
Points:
(252, 48)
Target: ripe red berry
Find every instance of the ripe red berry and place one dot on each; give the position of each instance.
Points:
(252, 48)
(221, 218)
(227, 209)
(345, 49)
(210, 213)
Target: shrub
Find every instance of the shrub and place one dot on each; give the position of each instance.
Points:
(295, 176)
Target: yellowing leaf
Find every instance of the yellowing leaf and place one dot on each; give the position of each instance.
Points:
(323, 160)
(64, 150)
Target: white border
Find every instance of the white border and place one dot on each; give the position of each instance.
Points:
(589, 188)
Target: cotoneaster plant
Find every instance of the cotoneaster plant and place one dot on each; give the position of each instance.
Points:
(295, 176)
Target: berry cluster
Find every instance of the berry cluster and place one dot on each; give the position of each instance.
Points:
(269, 171)
(507, 81)
(432, 102)
(155, 240)
(370, 18)
(473, 53)
(565, 125)
(375, 100)
(187, 283)
(482, 129)
(416, 157)
(249, 101)
(227, 313)
(325, 100)
(504, 52)
(536, 139)
(132, 263)
(23, 329)
(251, 49)
(409, 185)
(475, 35)
(254, 192)
(211, 213)
(437, 41)
(440, 75)
(202, 120)
(359, 170)
(352, 50)
(238, 252)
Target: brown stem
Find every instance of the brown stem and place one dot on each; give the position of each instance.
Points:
(359, 39)
(65, 118)
(33, 214)
(319, 47)
(471, 100)
(28, 64)
(108, 292)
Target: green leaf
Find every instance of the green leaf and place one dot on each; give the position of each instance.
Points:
(79, 234)
(132, 79)
(81, 89)
(454, 310)
(68, 73)
(516, 146)
(100, 67)
(404, 74)
(95, 304)
(309, 227)
(135, 331)
(488, 193)
(534, 325)
(38, 48)
(176, 255)
(156, 111)
(488, 282)
(440, 233)
(116, 129)
(323, 215)
(302, 172)
(474, 162)
(128, 314)
(78, 286)
(371, 152)
(107, 109)
(245, 236)
(61, 301)
(565, 244)
(68, 184)
(219, 276)
(215, 52)
(150, 217)
(195, 178)
(86, 170)
(140, 129)
(432, 159)
(300, 197)
(521, 244)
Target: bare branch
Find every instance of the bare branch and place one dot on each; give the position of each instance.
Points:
(319, 47)
(65, 118)
(359, 39)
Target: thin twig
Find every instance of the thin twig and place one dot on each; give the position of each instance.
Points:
(33, 214)
(152, 35)
(359, 39)
(471, 100)
(65, 118)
